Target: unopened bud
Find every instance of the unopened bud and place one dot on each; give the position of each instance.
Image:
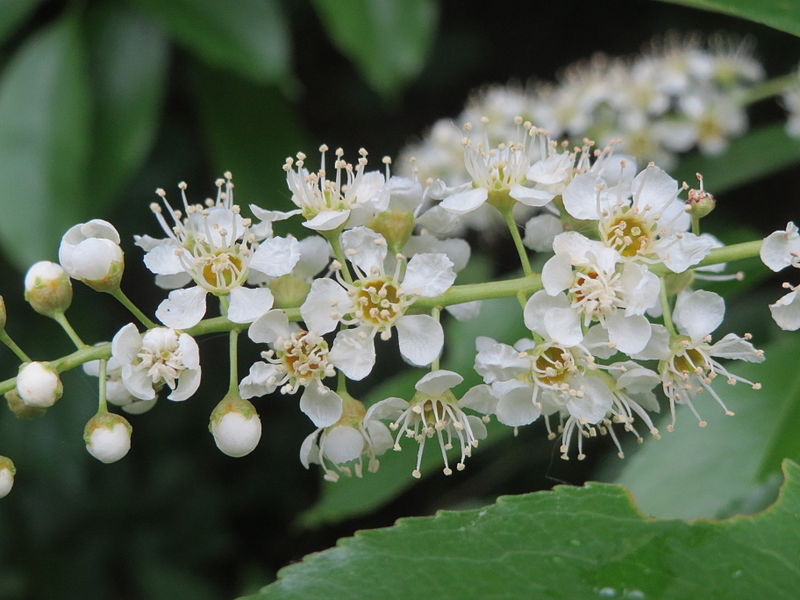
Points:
(22, 410)
(235, 425)
(90, 252)
(288, 291)
(7, 472)
(107, 437)
(38, 385)
(47, 288)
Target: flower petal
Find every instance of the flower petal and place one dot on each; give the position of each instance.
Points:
(321, 404)
(342, 444)
(428, 275)
(326, 303)
(327, 220)
(268, 328)
(420, 338)
(515, 406)
(182, 308)
(248, 304)
(365, 249)
(628, 334)
(698, 313)
(465, 202)
(530, 196)
(353, 352)
(276, 256)
(438, 382)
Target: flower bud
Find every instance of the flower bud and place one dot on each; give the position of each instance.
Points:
(38, 385)
(235, 426)
(7, 472)
(90, 252)
(288, 291)
(3, 315)
(22, 410)
(108, 437)
(47, 288)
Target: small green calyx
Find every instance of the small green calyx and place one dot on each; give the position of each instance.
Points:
(109, 283)
(396, 227)
(289, 291)
(353, 411)
(22, 410)
(677, 282)
(6, 464)
(105, 420)
(232, 402)
(501, 200)
(701, 203)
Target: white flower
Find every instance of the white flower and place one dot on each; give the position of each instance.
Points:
(342, 447)
(7, 472)
(786, 310)
(435, 411)
(236, 426)
(714, 119)
(107, 437)
(376, 303)
(688, 366)
(159, 357)
(90, 252)
(348, 198)
(116, 392)
(644, 221)
(217, 249)
(599, 287)
(298, 358)
(781, 249)
(38, 385)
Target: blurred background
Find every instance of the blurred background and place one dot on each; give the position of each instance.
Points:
(102, 102)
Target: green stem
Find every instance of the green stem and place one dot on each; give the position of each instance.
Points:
(521, 250)
(233, 356)
(334, 240)
(455, 295)
(695, 224)
(61, 319)
(120, 296)
(767, 89)
(341, 383)
(102, 406)
(666, 309)
(12, 345)
(436, 313)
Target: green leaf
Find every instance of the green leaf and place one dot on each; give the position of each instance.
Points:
(783, 15)
(250, 130)
(388, 40)
(759, 153)
(570, 542)
(249, 37)
(350, 497)
(12, 13)
(700, 472)
(44, 142)
(128, 64)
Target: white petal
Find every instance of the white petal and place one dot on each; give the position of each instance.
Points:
(658, 345)
(580, 197)
(268, 328)
(380, 437)
(188, 383)
(462, 203)
(428, 275)
(420, 338)
(326, 303)
(515, 403)
(164, 259)
(138, 383)
(321, 404)
(353, 353)
(388, 409)
(438, 220)
(536, 308)
(563, 325)
(173, 282)
(737, 348)
(342, 444)
(682, 251)
(778, 247)
(595, 402)
(190, 353)
(125, 344)
(698, 313)
(480, 399)
(183, 308)
(276, 256)
(248, 304)
(309, 451)
(641, 288)
(540, 231)
(596, 341)
(477, 427)
(786, 311)
(653, 187)
(530, 196)
(315, 254)
(438, 382)
(557, 274)
(456, 249)
(260, 381)
(465, 311)
(365, 249)
(327, 220)
(498, 362)
(628, 334)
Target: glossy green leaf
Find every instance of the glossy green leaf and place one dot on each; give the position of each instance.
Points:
(250, 130)
(12, 13)
(388, 40)
(44, 142)
(783, 15)
(249, 37)
(759, 153)
(128, 56)
(701, 472)
(350, 497)
(588, 542)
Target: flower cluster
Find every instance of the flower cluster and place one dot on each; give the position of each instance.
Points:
(614, 315)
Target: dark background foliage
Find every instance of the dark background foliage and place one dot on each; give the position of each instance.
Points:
(141, 94)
